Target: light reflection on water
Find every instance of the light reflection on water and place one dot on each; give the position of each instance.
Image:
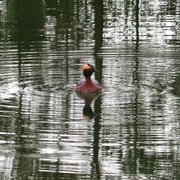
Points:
(130, 131)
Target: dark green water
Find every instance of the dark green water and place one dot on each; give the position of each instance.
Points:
(130, 131)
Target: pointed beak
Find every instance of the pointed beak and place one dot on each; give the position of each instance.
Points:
(96, 70)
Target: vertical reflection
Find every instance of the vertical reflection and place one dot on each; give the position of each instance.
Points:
(26, 33)
(136, 99)
(137, 23)
(136, 112)
(29, 18)
(98, 5)
(98, 36)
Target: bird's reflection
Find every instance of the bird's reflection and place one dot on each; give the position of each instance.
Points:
(88, 99)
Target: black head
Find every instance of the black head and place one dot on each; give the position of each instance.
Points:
(88, 70)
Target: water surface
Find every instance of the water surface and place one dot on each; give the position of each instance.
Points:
(130, 131)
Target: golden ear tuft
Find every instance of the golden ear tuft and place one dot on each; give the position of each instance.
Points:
(86, 67)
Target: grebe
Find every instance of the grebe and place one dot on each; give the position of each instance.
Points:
(88, 84)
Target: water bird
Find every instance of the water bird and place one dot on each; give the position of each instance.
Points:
(88, 85)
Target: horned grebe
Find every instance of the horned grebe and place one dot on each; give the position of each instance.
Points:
(88, 84)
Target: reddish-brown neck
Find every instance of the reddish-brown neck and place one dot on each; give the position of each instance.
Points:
(89, 81)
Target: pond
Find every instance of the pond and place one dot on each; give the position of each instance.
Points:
(129, 131)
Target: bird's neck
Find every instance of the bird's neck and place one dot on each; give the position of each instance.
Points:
(88, 78)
